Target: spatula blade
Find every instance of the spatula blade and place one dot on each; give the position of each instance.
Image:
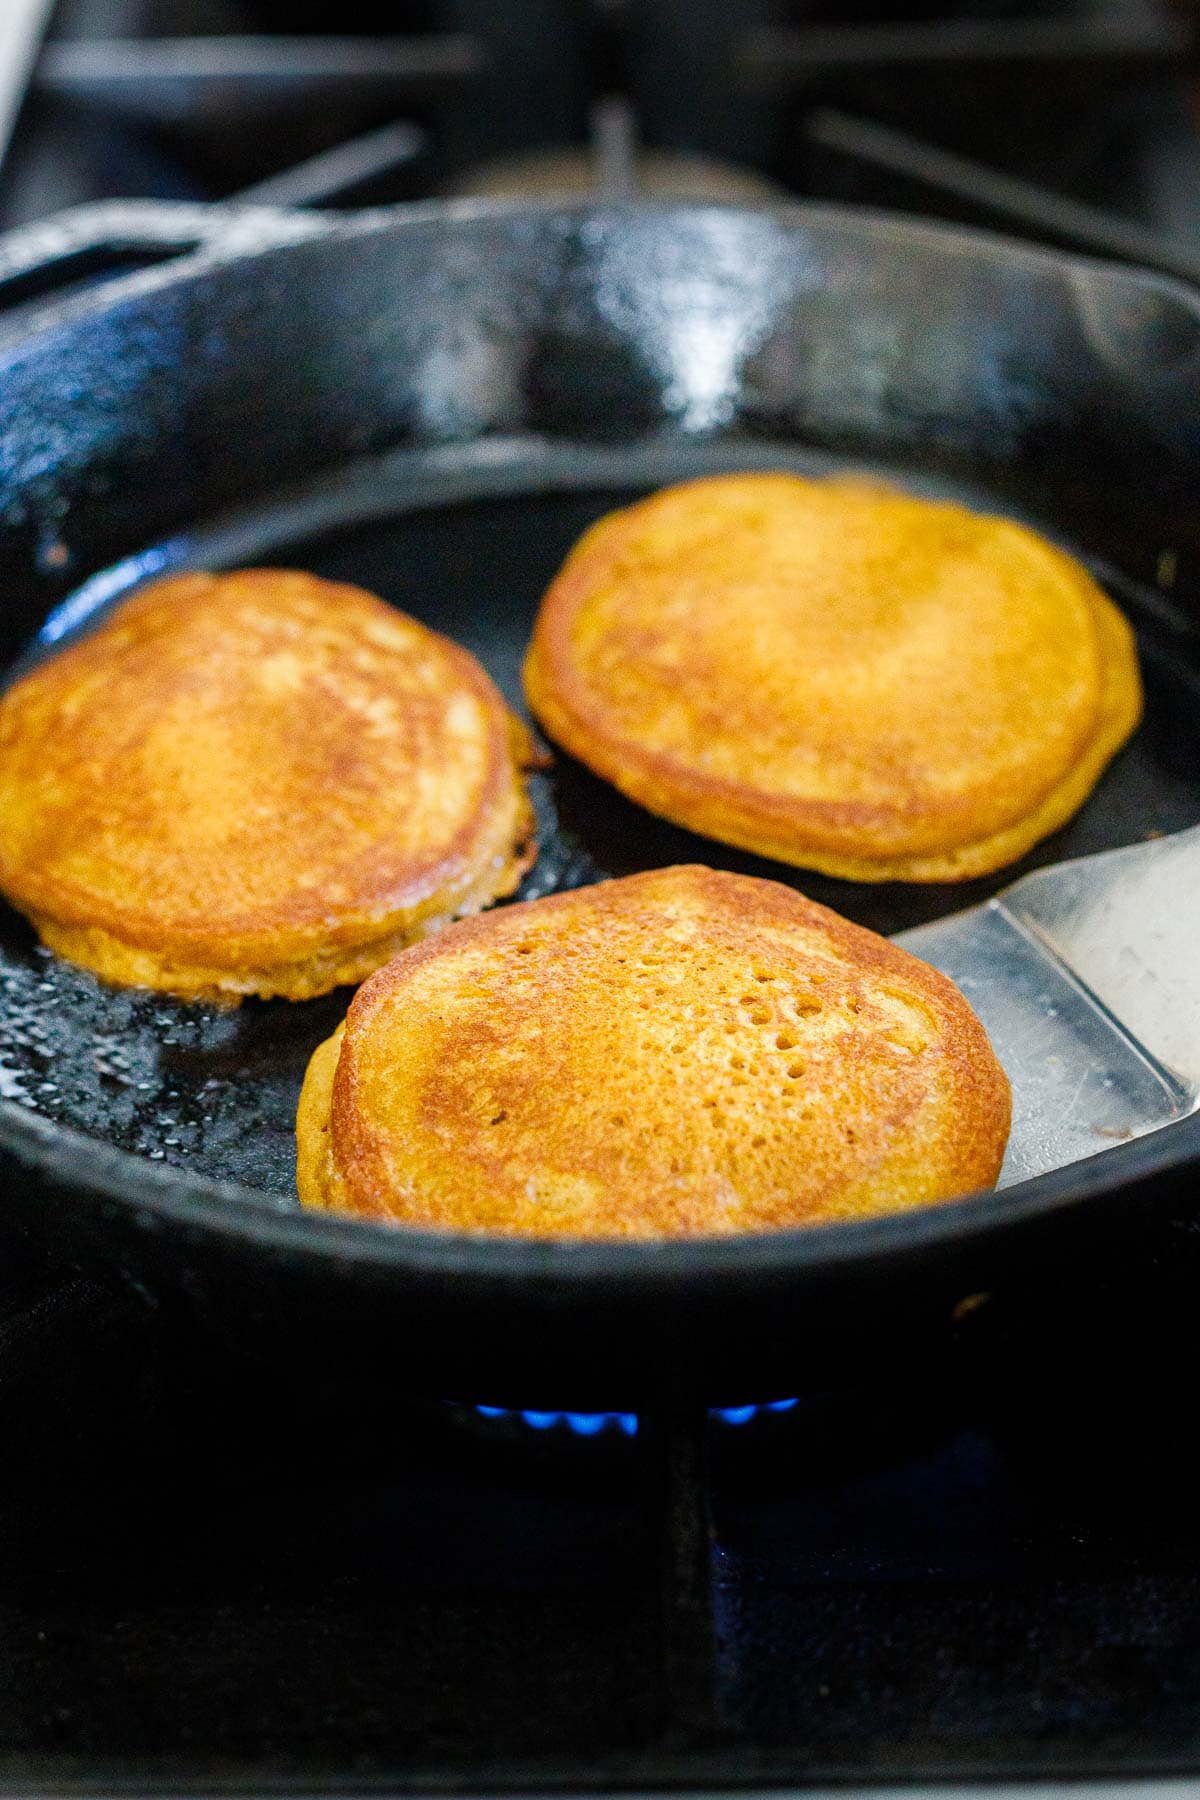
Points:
(1087, 979)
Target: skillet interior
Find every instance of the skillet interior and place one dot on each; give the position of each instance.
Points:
(215, 1093)
(465, 535)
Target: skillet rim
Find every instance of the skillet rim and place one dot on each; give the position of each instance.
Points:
(197, 236)
(158, 1195)
(226, 1210)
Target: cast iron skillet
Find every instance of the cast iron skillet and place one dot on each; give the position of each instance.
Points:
(434, 401)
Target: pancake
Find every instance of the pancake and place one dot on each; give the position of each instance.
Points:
(835, 674)
(256, 783)
(677, 1054)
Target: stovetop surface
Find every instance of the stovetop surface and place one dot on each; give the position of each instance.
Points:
(213, 1571)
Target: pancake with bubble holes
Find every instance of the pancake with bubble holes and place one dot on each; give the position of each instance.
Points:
(675, 1054)
(835, 674)
(256, 783)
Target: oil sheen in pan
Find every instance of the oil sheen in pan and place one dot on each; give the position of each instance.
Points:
(466, 538)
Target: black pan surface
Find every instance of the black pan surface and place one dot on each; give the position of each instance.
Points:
(158, 1136)
(215, 1093)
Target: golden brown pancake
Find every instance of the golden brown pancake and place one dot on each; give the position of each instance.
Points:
(676, 1054)
(835, 674)
(255, 783)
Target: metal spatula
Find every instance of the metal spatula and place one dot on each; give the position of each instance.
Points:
(1087, 979)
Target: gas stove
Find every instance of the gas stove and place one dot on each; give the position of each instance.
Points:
(218, 1573)
(910, 104)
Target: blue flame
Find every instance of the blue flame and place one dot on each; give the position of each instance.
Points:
(586, 1425)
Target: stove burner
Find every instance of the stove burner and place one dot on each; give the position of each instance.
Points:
(594, 1424)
